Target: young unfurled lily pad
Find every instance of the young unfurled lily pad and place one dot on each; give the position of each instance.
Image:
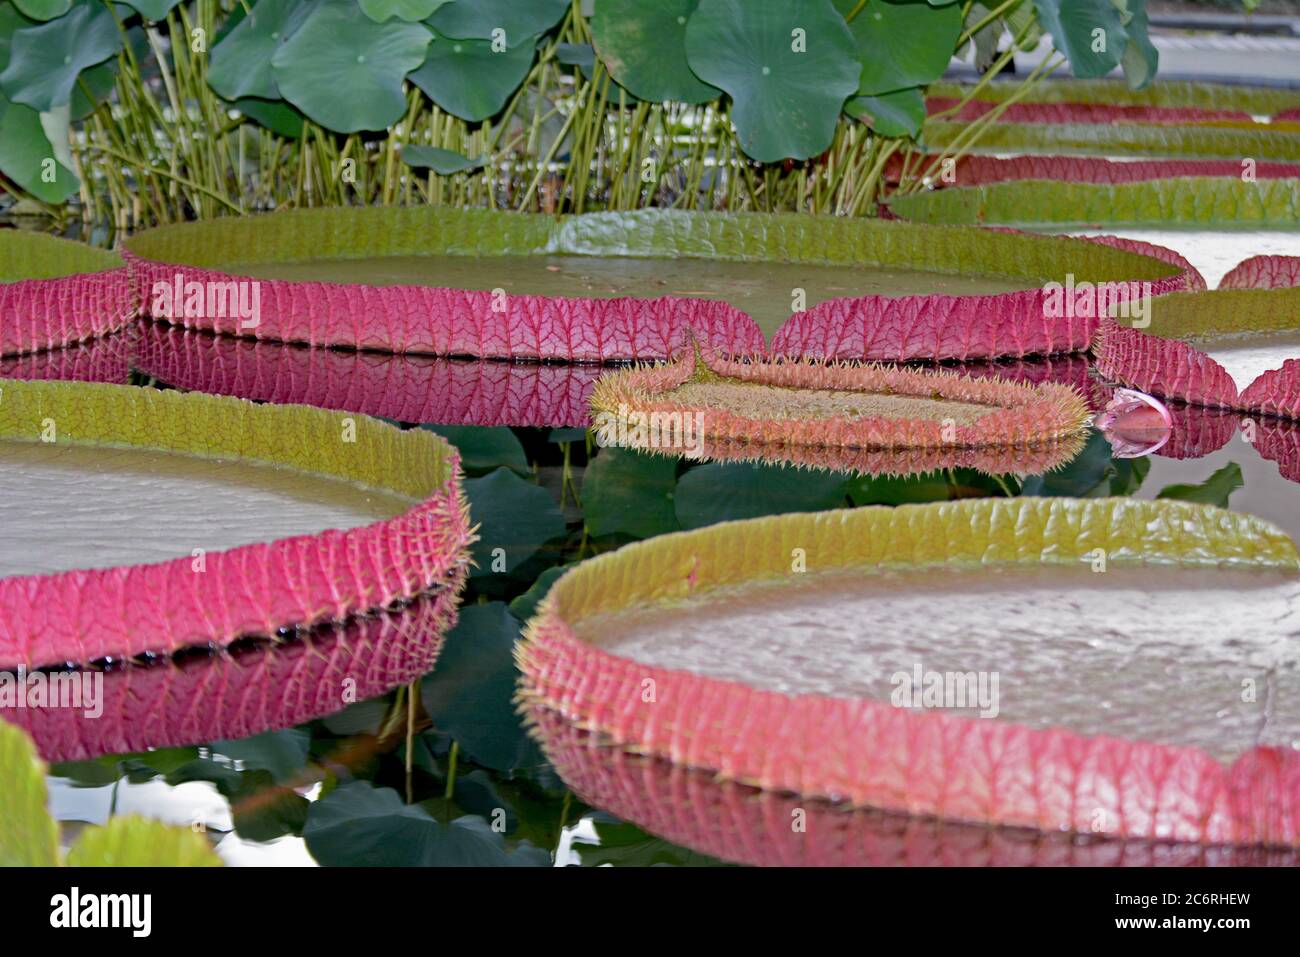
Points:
(128, 565)
(54, 292)
(799, 653)
(835, 415)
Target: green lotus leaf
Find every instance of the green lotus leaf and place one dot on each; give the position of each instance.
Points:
(240, 62)
(409, 10)
(45, 60)
(788, 67)
(29, 837)
(43, 9)
(137, 842)
(900, 113)
(1215, 490)
(27, 157)
(281, 753)
(726, 491)
(478, 19)
(359, 824)
(481, 448)
(93, 87)
(443, 162)
(583, 56)
(514, 516)
(340, 50)
(1133, 139)
(469, 79)
(275, 115)
(902, 44)
(152, 9)
(1089, 33)
(629, 493)
(1141, 58)
(1211, 200)
(643, 45)
(470, 694)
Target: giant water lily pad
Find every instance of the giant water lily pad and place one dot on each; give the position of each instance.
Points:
(594, 288)
(643, 45)
(1214, 201)
(1234, 348)
(788, 68)
(651, 647)
(288, 470)
(1193, 94)
(340, 48)
(54, 292)
(170, 702)
(832, 415)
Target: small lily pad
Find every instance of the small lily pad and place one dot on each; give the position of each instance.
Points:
(45, 60)
(788, 68)
(443, 162)
(469, 79)
(340, 50)
(643, 45)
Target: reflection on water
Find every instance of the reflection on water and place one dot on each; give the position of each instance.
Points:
(747, 826)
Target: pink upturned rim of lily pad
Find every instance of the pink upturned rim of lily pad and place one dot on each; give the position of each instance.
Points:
(1263, 272)
(458, 322)
(868, 753)
(86, 615)
(55, 292)
(1107, 113)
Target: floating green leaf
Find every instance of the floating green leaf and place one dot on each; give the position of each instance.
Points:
(408, 10)
(788, 66)
(470, 694)
(1215, 490)
(479, 19)
(629, 493)
(45, 60)
(900, 113)
(359, 824)
(470, 78)
(724, 491)
(481, 449)
(345, 71)
(902, 44)
(1088, 32)
(240, 63)
(515, 518)
(643, 45)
